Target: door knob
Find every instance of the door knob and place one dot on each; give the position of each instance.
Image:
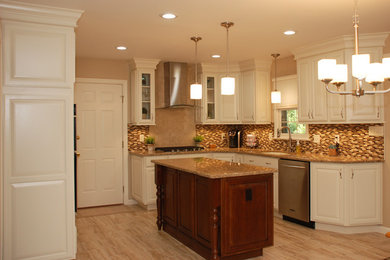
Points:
(77, 153)
(77, 137)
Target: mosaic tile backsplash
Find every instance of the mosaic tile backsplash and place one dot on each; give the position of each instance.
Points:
(355, 140)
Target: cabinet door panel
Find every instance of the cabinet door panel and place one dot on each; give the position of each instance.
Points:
(229, 112)
(319, 95)
(169, 197)
(247, 200)
(365, 194)
(327, 193)
(248, 96)
(203, 210)
(304, 90)
(186, 203)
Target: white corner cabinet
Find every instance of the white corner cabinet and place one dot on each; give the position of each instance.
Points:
(315, 104)
(346, 194)
(142, 91)
(249, 105)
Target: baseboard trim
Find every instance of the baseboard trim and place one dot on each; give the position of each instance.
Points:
(130, 202)
(353, 230)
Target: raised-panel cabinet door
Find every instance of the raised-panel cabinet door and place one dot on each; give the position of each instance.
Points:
(304, 90)
(319, 94)
(327, 193)
(229, 104)
(365, 193)
(136, 178)
(150, 186)
(185, 203)
(169, 209)
(248, 94)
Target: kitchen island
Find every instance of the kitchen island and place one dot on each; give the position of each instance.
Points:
(221, 210)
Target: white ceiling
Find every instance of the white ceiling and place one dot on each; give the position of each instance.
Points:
(258, 29)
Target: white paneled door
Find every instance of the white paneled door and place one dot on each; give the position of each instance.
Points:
(99, 128)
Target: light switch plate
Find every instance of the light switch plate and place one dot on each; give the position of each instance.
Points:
(316, 139)
(375, 130)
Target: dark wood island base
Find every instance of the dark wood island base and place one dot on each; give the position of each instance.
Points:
(220, 216)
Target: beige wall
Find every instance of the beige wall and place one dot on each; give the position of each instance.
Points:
(284, 66)
(102, 68)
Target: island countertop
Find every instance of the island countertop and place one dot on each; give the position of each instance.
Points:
(212, 168)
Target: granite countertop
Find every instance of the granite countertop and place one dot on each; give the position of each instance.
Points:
(212, 168)
(311, 157)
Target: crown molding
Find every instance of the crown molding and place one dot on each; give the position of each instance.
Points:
(341, 43)
(23, 12)
(140, 63)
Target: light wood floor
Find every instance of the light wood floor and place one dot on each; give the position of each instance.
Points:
(129, 232)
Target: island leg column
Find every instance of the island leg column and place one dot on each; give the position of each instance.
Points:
(158, 180)
(214, 244)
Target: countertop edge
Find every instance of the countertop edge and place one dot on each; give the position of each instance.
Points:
(291, 156)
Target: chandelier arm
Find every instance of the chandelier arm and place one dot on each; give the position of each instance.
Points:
(338, 92)
(377, 91)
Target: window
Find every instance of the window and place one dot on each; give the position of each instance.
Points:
(289, 117)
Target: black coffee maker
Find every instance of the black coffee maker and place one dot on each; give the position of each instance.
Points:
(234, 138)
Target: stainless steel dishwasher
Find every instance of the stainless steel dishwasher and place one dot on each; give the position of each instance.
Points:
(294, 191)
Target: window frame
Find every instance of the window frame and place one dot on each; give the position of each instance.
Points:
(278, 123)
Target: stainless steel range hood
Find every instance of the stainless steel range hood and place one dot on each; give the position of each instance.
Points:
(173, 92)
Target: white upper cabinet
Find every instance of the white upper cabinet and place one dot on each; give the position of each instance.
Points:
(255, 92)
(315, 104)
(230, 104)
(312, 96)
(250, 102)
(142, 91)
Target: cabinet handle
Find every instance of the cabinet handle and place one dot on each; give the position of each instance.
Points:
(312, 117)
(268, 163)
(253, 117)
(237, 116)
(340, 174)
(308, 115)
(377, 114)
(251, 160)
(353, 174)
(341, 113)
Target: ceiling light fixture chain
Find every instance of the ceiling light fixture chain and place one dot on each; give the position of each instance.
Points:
(275, 95)
(227, 25)
(362, 69)
(196, 39)
(227, 82)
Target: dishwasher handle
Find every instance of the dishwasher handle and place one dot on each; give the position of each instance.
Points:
(293, 166)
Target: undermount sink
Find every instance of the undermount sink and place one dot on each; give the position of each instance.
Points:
(275, 153)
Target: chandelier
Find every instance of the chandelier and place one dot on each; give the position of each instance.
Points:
(337, 74)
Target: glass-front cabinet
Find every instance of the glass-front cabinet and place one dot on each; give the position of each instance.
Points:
(209, 100)
(142, 90)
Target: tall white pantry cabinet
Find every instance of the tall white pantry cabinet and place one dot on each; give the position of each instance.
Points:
(37, 177)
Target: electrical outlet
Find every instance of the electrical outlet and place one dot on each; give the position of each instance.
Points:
(316, 139)
(141, 138)
(337, 139)
(270, 136)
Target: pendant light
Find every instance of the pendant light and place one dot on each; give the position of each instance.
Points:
(227, 83)
(196, 88)
(275, 95)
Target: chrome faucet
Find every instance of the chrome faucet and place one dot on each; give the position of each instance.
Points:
(289, 136)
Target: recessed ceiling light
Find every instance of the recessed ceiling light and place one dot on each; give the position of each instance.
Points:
(216, 56)
(168, 16)
(289, 32)
(121, 48)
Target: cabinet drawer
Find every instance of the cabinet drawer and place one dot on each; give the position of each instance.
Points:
(148, 160)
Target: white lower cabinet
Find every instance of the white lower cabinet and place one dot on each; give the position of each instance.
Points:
(230, 157)
(346, 194)
(266, 162)
(143, 187)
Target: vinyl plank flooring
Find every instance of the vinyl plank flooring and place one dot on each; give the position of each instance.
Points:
(129, 232)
